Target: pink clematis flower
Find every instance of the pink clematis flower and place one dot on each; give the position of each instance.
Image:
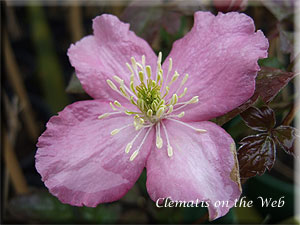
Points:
(153, 115)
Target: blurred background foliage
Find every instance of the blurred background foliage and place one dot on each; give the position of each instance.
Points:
(39, 81)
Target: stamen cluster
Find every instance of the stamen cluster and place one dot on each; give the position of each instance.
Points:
(150, 97)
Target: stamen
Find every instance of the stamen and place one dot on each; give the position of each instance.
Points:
(112, 85)
(159, 58)
(160, 112)
(193, 100)
(183, 93)
(141, 76)
(170, 109)
(170, 65)
(129, 145)
(130, 68)
(133, 63)
(169, 147)
(132, 87)
(148, 71)
(136, 152)
(104, 115)
(149, 113)
(187, 125)
(174, 99)
(159, 141)
(174, 78)
(143, 60)
(119, 80)
(132, 100)
(158, 65)
(115, 131)
(186, 76)
(124, 93)
(112, 106)
(117, 103)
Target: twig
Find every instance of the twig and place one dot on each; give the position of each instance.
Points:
(13, 167)
(290, 116)
(13, 75)
(75, 22)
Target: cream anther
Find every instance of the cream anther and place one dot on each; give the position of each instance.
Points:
(148, 71)
(115, 131)
(170, 151)
(195, 99)
(129, 67)
(180, 115)
(133, 62)
(128, 147)
(112, 106)
(119, 80)
(141, 76)
(170, 65)
(170, 109)
(136, 152)
(112, 85)
(149, 113)
(134, 155)
(183, 93)
(160, 112)
(104, 115)
(143, 60)
(159, 142)
(117, 103)
(186, 76)
(175, 76)
(174, 99)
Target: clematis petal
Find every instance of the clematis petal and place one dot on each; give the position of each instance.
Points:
(220, 55)
(203, 167)
(81, 162)
(105, 54)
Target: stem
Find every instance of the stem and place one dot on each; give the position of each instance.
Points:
(291, 115)
(14, 77)
(13, 167)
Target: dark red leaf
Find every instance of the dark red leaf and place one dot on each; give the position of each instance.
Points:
(256, 154)
(285, 137)
(146, 21)
(269, 82)
(262, 119)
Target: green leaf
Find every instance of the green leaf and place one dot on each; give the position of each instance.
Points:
(74, 86)
(41, 206)
(285, 137)
(262, 119)
(256, 155)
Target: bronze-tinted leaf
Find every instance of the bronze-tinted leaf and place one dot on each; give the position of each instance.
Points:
(146, 21)
(256, 154)
(262, 119)
(269, 82)
(285, 137)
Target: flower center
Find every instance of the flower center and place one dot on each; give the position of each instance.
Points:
(149, 95)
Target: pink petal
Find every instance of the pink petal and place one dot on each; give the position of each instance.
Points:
(203, 167)
(100, 57)
(220, 54)
(81, 163)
